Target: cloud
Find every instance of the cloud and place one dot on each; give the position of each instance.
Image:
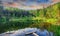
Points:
(28, 4)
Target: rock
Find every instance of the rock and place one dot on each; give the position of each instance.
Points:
(23, 32)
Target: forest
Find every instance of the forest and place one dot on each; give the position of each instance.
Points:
(14, 18)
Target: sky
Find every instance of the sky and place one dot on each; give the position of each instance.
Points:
(27, 4)
(36, 2)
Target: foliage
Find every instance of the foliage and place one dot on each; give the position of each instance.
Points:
(13, 18)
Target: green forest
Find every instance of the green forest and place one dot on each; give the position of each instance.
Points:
(14, 18)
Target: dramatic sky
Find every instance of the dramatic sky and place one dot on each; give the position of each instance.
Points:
(27, 4)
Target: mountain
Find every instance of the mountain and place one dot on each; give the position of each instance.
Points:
(16, 21)
(29, 4)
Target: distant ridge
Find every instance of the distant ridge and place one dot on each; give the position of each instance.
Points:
(34, 6)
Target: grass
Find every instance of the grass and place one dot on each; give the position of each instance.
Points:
(56, 29)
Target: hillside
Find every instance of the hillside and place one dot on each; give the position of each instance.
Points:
(14, 18)
(51, 12)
